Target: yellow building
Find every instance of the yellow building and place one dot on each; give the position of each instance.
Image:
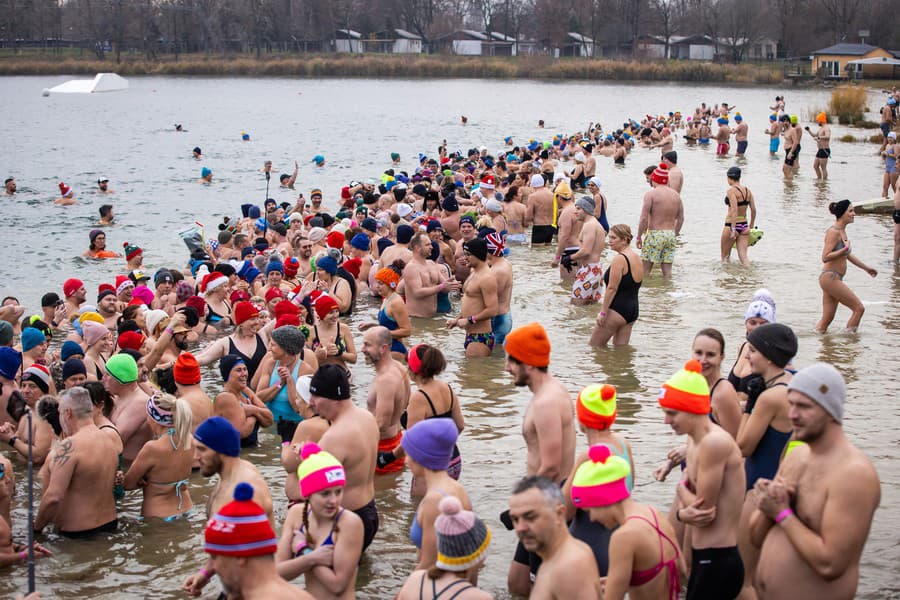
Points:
(831, 62)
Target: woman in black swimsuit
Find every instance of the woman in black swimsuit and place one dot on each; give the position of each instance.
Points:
(620, 301)
(709, 349)
(248, 340)
(738, 199)
(432, 399)
(331, 340)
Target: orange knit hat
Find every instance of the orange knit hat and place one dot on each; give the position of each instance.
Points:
(687, 390)
(529, 345)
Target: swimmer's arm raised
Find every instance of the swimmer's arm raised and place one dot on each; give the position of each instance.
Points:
(60, 478)
(213, 352)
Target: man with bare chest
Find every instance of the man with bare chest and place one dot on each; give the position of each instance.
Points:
(501, 269)
(130, 413)
(711, 493)
(388, 396)
(548, 427)
(813, 519)
(479, 303)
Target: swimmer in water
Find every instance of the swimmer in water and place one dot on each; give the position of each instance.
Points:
(464, 119)
(67, 195)
(206, 175)
(103, 186)
(10, 185)
(97, 247)
(106, 214)
(835, 255)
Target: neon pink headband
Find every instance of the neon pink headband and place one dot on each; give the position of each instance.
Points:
(605, 494)
(412, 358)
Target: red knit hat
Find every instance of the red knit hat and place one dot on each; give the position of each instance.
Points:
(131, 340)
(286, 307)
(198, 304)
(660, 174)
(239, 296)
(274, 293)
(353, 266)
(291, 267)
(529, 345)
(186, 370)
(72, 285)
(287, 319)
(241, 528)
(244, 311)
(324, 304)
(335, 239)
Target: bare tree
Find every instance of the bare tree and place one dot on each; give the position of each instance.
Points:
(667, 18)
(841, 16)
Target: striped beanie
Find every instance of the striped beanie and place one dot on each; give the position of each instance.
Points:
(241, 528)
(319, 470)
(660, 174)
(39, 375)
(600, 480)
(596, 406)
(687, 390)
(462, 538)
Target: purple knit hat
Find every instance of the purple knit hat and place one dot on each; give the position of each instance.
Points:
(462, 538)
(430, 443)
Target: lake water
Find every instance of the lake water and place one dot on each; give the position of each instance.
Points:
(356, 124)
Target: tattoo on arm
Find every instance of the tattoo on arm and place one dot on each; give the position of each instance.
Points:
(63, 452)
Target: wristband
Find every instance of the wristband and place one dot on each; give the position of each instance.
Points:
(783, 515)
(558, 256)
(169, 330)
(441, 287)
(23, 554)
(205, 573)
(602, 314)
(12, 441)
(678, 515)
(472, 319)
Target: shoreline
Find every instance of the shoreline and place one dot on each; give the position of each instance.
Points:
(407, 67)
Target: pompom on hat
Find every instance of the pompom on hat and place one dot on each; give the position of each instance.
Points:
(240, 528)
(660, 174)
(529, 345)
(687, 390)
(132, 250)
(600, 480)
(319, 470)
(762, 306)
(462, 538)
(596, 406)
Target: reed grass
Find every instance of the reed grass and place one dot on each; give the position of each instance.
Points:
(848, 102)
(395, 66)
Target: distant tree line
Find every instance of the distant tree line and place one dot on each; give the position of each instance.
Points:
(152, 27)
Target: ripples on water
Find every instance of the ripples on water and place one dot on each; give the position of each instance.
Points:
(356, 124)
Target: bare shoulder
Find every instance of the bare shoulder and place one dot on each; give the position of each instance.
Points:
(717, 444)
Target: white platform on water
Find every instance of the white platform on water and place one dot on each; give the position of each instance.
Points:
(102, 82)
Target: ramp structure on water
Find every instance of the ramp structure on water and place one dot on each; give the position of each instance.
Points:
(102, 82)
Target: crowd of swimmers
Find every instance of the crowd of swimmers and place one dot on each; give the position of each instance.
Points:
(762, 507)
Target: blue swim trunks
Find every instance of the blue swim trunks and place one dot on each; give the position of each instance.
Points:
(773, 144)
(501, 325)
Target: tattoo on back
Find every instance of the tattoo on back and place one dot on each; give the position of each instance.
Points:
(63, 452)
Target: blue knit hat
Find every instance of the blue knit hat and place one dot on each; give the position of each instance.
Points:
(251, 274)
(327, 264)
(274, 265)
(70, 349)
(10, 361)
(31, 337)
(360, 241)
(220, 435)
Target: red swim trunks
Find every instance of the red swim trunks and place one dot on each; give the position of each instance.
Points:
(389, 445)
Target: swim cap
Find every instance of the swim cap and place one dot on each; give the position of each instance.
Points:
(30, 338)
(734, 173)
(205, 172)
(318, 159)
(773, 117)
(762, 306)
(601, 480)
(586, 203)
(217, 433)
(72, 285)
(395, 156)
(319, 470)
(462, 538)
(821, 118)
(122, 368)
(775, 341)
(738, 117)
(794, 119)
(596, 406)
(824, 385)
(241, 528)
(687, 390)
(529, 345)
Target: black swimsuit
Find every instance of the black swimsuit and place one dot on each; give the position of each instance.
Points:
(625, 301)
(252, 362)
(739, 383)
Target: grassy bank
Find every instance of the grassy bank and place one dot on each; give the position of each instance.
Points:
(388, 66)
